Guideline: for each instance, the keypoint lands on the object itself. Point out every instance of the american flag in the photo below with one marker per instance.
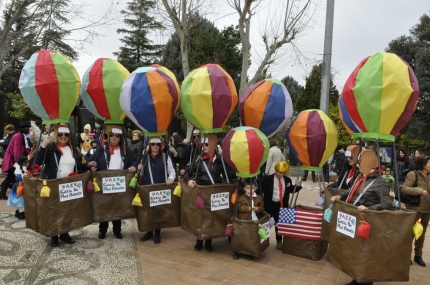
(300, 223)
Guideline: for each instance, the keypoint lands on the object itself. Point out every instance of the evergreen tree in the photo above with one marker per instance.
(138, 49)
(293, 87)
(309, 97)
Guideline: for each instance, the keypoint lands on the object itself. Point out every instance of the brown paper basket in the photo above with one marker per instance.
(325, 229)
(113, 206)
(205, 224)
(245, 239)
(161, 216)
(48, 216)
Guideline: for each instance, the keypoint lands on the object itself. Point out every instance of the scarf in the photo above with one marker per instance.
(358, 183)
(112, 149)
(59, 147)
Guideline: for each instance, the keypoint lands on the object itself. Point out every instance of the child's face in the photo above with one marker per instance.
(250, 190)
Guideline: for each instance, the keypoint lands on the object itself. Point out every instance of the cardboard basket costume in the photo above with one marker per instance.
(60, 212)
(210, 222)
(245, 239)
(160, 208)
(325, 228)
(385, 256)
(113, 201)
(302, 247)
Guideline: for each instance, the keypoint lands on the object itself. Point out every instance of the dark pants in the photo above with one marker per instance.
(10, 178)
(273, 210)
(305, 175)
(326, 172)
(105, 225)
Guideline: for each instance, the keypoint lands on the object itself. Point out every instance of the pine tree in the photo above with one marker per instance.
(138, 49)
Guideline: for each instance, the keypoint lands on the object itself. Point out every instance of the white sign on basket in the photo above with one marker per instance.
(346, 224)
(161, 197)
(71, 191)
(267, 227)
(113, 184)
(220, 201)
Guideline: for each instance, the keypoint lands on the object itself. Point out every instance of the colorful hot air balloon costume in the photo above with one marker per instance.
(267, 106)
(379, 96)
(312, 138)
(245, 149)
(208, 97)
(150, 98)
(101, 88)
(50, 86)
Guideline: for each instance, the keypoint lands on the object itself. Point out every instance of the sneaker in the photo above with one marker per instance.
(21, 216)
(235, 255)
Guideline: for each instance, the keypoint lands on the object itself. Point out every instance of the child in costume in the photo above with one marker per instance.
(14, 200)
(247, 202)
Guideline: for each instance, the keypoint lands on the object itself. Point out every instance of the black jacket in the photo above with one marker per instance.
(50, 168)
(267, 187)
(100, 157)
(6, 141)
(215, 169)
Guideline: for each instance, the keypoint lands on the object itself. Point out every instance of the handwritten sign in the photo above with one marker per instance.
(220, 201)
(71, 191)
(113, 184)
(346, 224)
(157, 198)
(267, 227)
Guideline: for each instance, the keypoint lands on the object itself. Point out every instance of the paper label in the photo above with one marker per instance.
(346, 224)
(220, 201)
(161, 197)
(113, 185)
(71, 191)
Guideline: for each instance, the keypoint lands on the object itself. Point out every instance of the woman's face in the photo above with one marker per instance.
(401, 154)
(114, 139)
(155, 147)
(427, 167)
(417, 153)
(62, 138)
(350, 160)
(135, 137)
(206, 148)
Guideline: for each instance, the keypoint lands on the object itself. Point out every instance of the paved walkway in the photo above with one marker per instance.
(175, 262)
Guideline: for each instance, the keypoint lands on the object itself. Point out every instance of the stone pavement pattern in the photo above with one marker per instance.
(26, 255)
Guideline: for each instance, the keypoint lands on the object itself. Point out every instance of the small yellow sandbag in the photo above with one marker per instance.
(137, 201)
(178, 190)
(45, 191)
(96, 186)
(417, 229)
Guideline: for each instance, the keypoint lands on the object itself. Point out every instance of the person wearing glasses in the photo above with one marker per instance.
(114, 155)
(209, 171)
(59, 159)
(156, 167)
(349, 170)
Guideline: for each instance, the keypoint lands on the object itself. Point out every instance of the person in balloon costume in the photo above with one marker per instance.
(422, 166)
(365, 192)
(60, 160)
(114, 155)
(277, 188)
(156, 167)
(209, 172)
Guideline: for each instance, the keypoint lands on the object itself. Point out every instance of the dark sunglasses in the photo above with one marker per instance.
(349, 158)
(63, 134)
(159, 144)
(195, 137)
(115, 135)
(206, 144)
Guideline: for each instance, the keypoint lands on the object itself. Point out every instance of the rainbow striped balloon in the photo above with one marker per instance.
(101, 88)
(150, 98)
(169, 73)
(312, 138)
(208, 97)
(266, 105)
(50, 86)
(245, 149)
(346, 120)
(381, 95)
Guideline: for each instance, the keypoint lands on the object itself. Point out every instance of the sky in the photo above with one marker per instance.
(361, 28)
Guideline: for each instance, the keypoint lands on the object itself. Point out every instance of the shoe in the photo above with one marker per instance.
(353, 282)
(66, 238)
(208, 245)
(101, 235)
(248, 257)
(147, 236)
(235, 255)
(198, 245)
(118, 235)
(279, 244)
(411, 262)
(157, 238)
(3, 197)
(54, 241)
(21, 216)
(16, 213)
(314, 181)
(420, 261)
